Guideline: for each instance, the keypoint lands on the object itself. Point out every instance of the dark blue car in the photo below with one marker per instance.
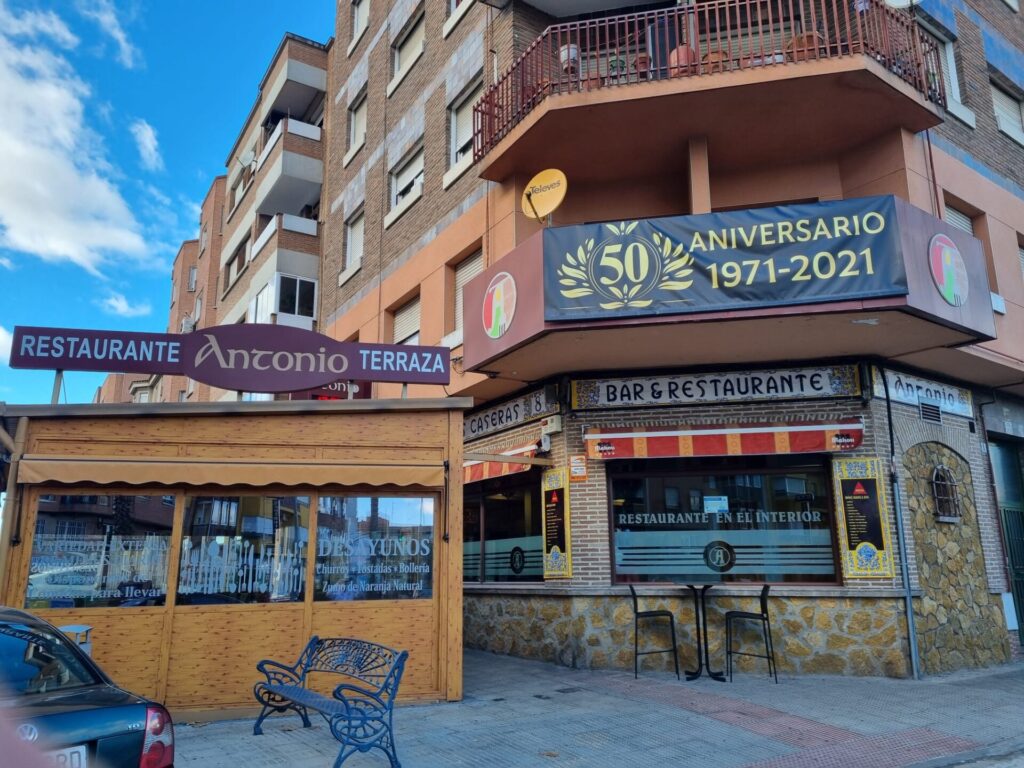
(55, 696)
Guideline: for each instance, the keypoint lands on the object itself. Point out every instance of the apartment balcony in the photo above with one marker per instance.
(290, 169)
(296, 81)
(785, 80)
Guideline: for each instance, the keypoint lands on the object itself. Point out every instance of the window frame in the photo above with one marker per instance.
(1014, 130)
(399, 205)
(359, 103)
(407, 338)
(402, 65)
(951, 74)
(358, 31)
(279, 294)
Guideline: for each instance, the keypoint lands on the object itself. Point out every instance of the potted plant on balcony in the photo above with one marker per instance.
(682, 61)
(569, 56)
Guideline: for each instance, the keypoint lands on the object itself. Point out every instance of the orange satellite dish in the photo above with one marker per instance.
(544, 193)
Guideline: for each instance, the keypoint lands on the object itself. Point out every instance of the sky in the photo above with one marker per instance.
(116, 116)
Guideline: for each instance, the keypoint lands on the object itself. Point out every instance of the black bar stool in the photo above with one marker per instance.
(639, 615)
(766, 631)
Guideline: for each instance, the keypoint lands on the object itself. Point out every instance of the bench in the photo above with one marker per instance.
(359, 709)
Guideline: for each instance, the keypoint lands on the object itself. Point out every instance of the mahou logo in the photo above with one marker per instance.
(499, 305)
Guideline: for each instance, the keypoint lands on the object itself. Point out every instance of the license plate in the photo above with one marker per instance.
(69, 757)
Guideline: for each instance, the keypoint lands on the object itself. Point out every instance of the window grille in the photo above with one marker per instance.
(946, 494)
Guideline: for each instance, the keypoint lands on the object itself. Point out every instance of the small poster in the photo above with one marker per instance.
(578, 468)
(557, 541)
(716, 505)
(863, 518)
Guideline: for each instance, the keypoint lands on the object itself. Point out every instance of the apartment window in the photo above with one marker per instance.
(1020, 254)
(236, 263)
(296, 296)
(407, 323)
(182, 396)
(204, 238)
(360, 17)
(464, 272)
(354, 228)
(946, 54)
(357, 122)
(959, 219)
(197, 312)
(238, 190)
(262, 305)
(408, 47)
(143, 396)
(193, 273)
(407, 179)
(1009, 115)
(461, 121)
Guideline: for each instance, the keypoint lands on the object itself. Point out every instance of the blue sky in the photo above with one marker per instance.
(117, 114)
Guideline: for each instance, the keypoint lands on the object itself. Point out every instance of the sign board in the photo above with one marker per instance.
(578, 468)
(338, 390)
(511, 413)
(544, 193)
(731, 386)
(244, 357)
(557, 539)
(910, 390)
(764, 257)
(862, 515)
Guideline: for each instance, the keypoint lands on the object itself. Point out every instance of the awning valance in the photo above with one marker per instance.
(192, 472)
(475, 471)
(723, 440)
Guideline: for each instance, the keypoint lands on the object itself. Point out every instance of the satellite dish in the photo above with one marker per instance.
(544, 193)
(247, 157)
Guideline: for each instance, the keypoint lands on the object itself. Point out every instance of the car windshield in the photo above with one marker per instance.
(38, 660)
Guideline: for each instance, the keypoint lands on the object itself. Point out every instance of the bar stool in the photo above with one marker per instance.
(639, 616)
(766, 631)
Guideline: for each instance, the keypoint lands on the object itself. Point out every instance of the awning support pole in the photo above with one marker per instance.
(58, 382)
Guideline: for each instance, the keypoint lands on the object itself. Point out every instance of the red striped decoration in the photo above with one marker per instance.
(475, 471)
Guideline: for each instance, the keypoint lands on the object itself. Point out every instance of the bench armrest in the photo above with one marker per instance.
(357, 693)
(276, 672)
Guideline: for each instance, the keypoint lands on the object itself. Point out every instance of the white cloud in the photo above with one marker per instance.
(6, 263)
(57, 201)
(5, 345)
(117, 304)
(105, 15)
(149, 149)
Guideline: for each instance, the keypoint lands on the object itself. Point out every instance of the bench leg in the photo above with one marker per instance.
(304, 715)
(257, 729)
(387, 746)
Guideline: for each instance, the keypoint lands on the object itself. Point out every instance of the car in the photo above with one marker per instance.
(54, 695)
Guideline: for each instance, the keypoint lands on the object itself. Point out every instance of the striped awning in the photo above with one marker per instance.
(475, 471)
(723, 440)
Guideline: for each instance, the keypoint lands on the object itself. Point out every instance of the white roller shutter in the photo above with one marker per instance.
(410, 46)
(959, 219)
(407, 323)
(464, 272)
(1008, 111)
(1020, 252)
(462, 141)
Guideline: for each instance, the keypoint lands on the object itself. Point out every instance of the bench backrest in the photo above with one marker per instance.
(377, 665)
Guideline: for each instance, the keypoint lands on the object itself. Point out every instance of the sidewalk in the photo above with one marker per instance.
(526, 713)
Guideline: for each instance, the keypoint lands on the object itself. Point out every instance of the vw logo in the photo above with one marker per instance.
(719, 556)
(28, 732)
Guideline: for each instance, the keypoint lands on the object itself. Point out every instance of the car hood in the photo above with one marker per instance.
(79, 715)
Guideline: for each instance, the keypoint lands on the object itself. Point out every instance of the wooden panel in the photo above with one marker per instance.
(406, 625)
(214, 651)
(125, 642)
(383, 455)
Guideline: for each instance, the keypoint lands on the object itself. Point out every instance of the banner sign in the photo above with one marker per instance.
(557, 557)
(910, 390)
(862, 518)
(512, 413)
(244, 357)
(731, 386)
(764, 257)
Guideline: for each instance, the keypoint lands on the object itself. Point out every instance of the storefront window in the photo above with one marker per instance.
(99, 551)
(507, 529)
(761, 518)
(374, 548)
(243, 549)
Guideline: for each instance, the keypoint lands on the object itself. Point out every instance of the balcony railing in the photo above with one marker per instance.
(702, 39)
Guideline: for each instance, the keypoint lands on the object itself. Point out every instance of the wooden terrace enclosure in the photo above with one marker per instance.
(196, 540)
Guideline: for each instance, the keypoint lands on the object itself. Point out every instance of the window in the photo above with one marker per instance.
(456, 10)
(296, 296)
(502, 534)
(197, 312)
(464, 272)
(143, 396)
(193, 274)
(243, 549)
(461, 118)
(946, 54)
(354, 228)
(262, 307)
(101, 554)
(407, 323)
(1009, 115)
(407, 180)
(408, 47)
(374, 548)
(357, 123)
(1020, 254)
(360, 18)
(946, 495)
(959, 219)
(204, 238)
(238, 190)
(236, 264)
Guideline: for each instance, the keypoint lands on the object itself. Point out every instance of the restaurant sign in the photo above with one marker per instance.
(730, 386)
(911, 390)
(764, 257)
(244, 357)
(511, 413)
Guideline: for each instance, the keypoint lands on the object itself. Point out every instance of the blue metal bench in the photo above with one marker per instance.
(359, 712)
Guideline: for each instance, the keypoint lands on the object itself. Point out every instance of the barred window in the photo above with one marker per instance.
(946, 493)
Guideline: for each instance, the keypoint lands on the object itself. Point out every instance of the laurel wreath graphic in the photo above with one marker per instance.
(672, 270)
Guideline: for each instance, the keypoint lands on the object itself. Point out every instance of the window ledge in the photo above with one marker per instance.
(961, 113)
(453, 21)
(348, 273)
(1014, 133)
(400, 76)
(453, 339)
(352, 152)
(355, 41)
(455, 172)
(396, 213)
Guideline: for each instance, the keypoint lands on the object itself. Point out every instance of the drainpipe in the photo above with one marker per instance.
(908, 596)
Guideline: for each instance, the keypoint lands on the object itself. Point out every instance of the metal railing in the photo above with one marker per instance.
(701, 39)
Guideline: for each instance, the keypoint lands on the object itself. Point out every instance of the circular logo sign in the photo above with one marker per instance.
(948, 270)
(719, 556)
(517, 560)
(499, 305)
(28, 732)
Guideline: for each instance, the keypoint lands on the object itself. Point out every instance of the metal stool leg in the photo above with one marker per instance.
(636, 647)
(675, 647)
(771, 651)
(728, 647)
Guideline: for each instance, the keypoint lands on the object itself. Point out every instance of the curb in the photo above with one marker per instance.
(1004, 748)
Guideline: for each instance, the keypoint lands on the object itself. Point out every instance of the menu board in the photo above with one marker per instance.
(863, 518)
(557, 558)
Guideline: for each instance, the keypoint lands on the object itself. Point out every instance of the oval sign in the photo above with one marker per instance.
(544, 193)
(499, 305)
(948, 270)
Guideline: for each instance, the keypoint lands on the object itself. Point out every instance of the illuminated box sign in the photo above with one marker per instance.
(244, 357)
(764, 257)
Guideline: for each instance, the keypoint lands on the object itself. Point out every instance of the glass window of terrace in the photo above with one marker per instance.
(243, 549)
(502, 531)
(754, 518)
